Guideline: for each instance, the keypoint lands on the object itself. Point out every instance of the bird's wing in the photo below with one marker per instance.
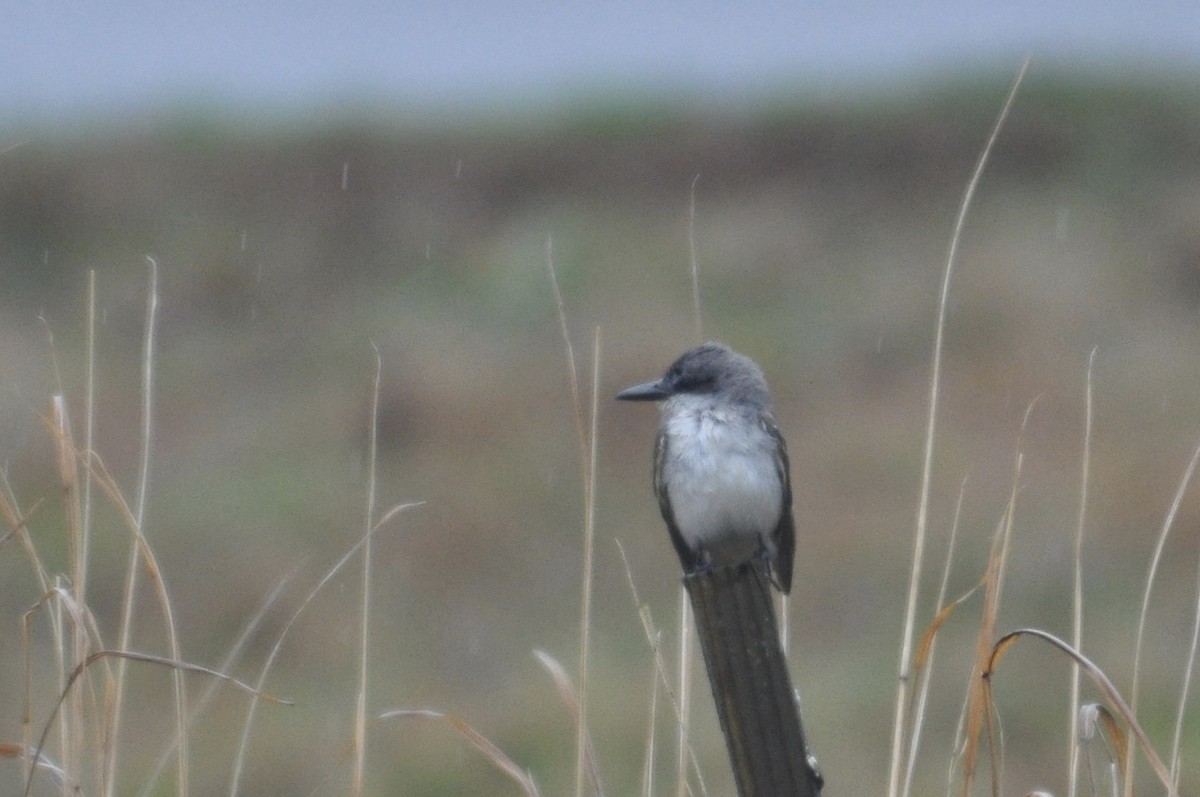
(784, 535)
(687, 557)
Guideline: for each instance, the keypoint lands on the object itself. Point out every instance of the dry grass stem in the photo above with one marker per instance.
(124, 655)
(136, 550)
(685, 694)
(1100, 680)
(900, 724)
(922, 666)
(651, 728)
(572, 371)
(199, 705)
(572, 698)
(587, 455)
(18, 524)
(480, 742)
(1181, 712)
(654, 639)
(360, 714)
(585, 756)
(980, 718)
(146, 557)
(1077, 593)
(1151, 577)
(244, 743)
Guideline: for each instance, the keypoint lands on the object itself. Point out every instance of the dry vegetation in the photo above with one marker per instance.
(285, 252)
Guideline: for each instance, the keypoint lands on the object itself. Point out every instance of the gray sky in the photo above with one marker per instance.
(91, 55)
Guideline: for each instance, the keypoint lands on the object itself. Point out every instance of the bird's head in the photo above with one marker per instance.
(711, 369)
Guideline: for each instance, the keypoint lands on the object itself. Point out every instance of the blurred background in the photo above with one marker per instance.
(314, 180)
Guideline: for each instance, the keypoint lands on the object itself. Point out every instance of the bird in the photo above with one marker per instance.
(721, 470)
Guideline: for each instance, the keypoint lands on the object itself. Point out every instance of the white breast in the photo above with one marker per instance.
(720, 474)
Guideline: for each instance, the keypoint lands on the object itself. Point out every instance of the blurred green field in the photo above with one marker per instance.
(287, 248)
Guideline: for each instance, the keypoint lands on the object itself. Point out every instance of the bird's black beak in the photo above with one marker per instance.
(647, 391)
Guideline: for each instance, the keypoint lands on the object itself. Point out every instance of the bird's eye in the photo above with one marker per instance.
(693, 382)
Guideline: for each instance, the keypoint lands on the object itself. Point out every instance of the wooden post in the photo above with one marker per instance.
(757, 707)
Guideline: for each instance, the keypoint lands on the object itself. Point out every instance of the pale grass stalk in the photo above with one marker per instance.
(694, 262)
(900, 722)
(74, 753)
(140, 549)
(244, 743)
(654, 639)
(651, 729)
(960, 740)
(927, 673)
(18, 521)
(44, 763)
(980, 716)
(177, 673)
(585, 602)
(231, 658)
(136, 549)
(71, 727)
(572, 371)
(1183, 693)
(962, 746)
(587, 457)
(360, 714)
(150, 563)
(100, 656)
(486, 747)
(991, 604)
(571, 696)
(58, 423)
(1105, 686)
(59, 599)
(53, 597)
(1077, 595)
(685, 693)
(18, 526)
(1151, 577)
(84, 513)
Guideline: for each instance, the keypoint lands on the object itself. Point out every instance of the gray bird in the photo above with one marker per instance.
(721, 469)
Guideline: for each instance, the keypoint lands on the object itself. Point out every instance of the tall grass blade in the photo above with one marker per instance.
(651, 730)
(360, 713)
(126, 655)
(572, 697)
(900, 722)
(244, 743)
(585, 756)
(587, 457)
(1077, 594)
(923, 660)
(1101, 681)
(654, 639)
(485, 746)
(1183, 692)
(685, 694)
(1151, 577)
(231, 658)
